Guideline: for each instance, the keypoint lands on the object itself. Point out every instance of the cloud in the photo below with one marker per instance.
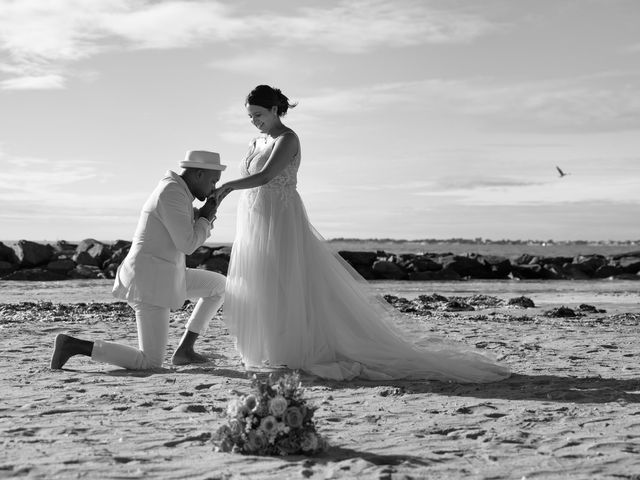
(269, 60)
(467, 184)
(358, 26)
(43, 36)
(565, 104)
(561, 191)
(600, 102)
(173, 24)
(30, 186)
(40, 82)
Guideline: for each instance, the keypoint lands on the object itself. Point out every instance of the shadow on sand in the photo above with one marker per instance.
(548, 388)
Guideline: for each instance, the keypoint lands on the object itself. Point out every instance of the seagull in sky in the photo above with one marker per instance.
(562, 174)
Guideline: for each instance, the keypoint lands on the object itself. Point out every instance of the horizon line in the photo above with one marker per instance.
(477, 240)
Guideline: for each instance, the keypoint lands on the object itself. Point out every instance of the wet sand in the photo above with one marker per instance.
(570, 410)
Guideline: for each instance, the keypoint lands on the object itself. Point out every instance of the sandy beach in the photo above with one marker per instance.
(570, 410)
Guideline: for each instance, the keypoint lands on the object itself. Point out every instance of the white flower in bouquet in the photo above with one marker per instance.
(273, 420)
(251, 402)
(278, 405)
(235, 426)
(235, 407)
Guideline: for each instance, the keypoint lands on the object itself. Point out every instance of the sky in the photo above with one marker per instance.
(417, 118)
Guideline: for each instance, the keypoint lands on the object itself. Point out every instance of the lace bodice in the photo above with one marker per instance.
(259, 152)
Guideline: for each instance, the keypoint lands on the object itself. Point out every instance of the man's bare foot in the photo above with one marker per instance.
(183, 356)
(61, 351)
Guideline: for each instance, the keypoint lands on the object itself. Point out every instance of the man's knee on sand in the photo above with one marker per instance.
(148, 362)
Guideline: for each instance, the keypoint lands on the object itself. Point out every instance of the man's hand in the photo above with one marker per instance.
(222, 192)
(210, 208)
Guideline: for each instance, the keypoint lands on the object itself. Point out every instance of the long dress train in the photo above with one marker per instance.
(290, 301)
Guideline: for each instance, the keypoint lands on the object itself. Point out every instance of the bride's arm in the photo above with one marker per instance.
(283, 151)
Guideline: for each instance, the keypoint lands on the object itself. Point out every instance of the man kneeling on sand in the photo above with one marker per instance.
(153, 278)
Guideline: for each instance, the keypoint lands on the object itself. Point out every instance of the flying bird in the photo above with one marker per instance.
(562, 174)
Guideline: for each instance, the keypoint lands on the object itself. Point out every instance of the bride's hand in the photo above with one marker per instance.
(221, 193)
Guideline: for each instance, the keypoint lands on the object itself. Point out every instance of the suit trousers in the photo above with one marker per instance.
(153, 324)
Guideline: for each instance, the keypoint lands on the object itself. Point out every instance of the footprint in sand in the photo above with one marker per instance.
(612, 447)
(193, 408)
(486, 408)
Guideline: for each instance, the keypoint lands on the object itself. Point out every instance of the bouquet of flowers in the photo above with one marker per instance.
(273, 420)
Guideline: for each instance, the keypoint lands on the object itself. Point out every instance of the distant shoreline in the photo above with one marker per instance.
(463, 241)
(486, 241)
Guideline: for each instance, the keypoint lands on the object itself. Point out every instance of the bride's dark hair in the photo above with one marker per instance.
(267, 97)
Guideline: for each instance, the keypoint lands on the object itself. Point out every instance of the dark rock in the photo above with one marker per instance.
(61, 266)
(527, 272)
(198, 257)
(524, 259)
(534, 261)
(216, 264)
(590, 309)
(484, 301)
(561, 312)
(386, 270)
(62, 247)
(91, 252)
(100, 252)
(35, 275)
(86, 244)
(607, 271)
(557, 261)
(522, 302)
(574, 272)
(433, 298)
(466, 266)
(618, 256)
(224, 251)
(110, 270)
(446, 274)
(421, 264)
(7, 254)
(7, 268)
(423, 276)
(84, 258)
(401, 303)
(117, 257)
(458, 306)
(86, 271)
(32, 254)
(121, 244)
(358, 258)
(629, 264)
(499, 267)
(551, 272)
(364, 271)
(590, 263)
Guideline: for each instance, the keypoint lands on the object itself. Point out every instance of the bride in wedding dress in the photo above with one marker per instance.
(291, 302)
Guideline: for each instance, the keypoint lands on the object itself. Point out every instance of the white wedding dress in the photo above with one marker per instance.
(290, 301)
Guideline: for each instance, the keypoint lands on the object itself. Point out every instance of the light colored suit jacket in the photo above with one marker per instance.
(154, 271)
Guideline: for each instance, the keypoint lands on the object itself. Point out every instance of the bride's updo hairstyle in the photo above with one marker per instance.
(267, 97)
